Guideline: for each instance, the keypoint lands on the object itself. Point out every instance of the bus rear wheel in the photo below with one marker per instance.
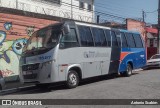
(128, 73)
(72, 79)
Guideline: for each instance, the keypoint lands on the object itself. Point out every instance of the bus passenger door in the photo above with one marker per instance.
(114, 62)
(115, 53)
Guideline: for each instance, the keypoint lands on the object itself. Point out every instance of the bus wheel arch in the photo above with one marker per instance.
(129, 70)
(130, 63)
(73, 77)
(78, 70)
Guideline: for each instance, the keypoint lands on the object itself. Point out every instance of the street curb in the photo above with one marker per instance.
(14, 90)
(136, 70)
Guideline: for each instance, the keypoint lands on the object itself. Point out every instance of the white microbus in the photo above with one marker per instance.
(70, 52)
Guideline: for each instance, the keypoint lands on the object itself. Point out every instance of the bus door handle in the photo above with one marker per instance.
(102, 61)
(90, 62)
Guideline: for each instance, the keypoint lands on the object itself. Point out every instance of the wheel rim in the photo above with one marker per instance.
(129, 70)
(72, 79)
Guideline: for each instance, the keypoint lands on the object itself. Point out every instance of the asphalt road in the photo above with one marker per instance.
(141, 85)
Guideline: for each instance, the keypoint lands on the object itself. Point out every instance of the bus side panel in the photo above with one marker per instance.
(90, 59)
(141, 58)
(134, 55)
(125, 57)
(114, 62)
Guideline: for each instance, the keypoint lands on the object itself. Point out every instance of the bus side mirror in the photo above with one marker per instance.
(66, 29)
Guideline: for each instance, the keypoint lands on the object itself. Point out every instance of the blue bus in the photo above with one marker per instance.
(133, 53)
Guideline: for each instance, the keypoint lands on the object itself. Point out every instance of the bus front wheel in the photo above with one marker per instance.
(128, 72)
(72, 79)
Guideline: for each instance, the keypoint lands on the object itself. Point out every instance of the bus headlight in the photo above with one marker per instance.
(46, 63)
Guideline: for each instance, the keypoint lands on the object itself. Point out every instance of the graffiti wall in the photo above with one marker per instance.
(15, 30)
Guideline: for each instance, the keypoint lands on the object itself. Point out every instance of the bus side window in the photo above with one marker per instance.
(85, 36)
(69, 40)
(108, 36)
(138, 40)
(96, 36)
(130, 40)
(124, 41)
(99, 37)
(103, 38)
(114, 39)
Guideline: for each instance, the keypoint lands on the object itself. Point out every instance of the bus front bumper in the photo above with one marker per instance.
(36, 73)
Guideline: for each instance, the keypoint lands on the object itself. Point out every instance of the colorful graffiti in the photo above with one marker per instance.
(18, 46)
(2, 36)
(15, 30)
(8, 25)
(30, 30)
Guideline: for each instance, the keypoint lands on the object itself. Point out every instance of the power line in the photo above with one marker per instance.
(120, 6)
(100, 13)
(116, 14)
(152, 11)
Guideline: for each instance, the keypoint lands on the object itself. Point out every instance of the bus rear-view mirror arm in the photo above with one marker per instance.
(66, 29)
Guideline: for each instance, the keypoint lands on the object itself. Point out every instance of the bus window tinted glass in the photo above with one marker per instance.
(99, 37)
(108, 36)
(124, 41)
(85, 36)
(138, 40)
(69, 40)
(114, 39)
(102, 37)
(130, 40)
(96, 36)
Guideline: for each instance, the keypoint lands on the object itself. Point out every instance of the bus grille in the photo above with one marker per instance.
(30, 67)
(31, 76)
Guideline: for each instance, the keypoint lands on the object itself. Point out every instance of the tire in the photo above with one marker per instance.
(72, 79)
(127, 73)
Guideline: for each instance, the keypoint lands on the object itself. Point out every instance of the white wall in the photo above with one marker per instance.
(63, 10)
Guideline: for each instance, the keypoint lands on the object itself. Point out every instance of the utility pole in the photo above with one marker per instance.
(158, 38)
(16, 4)
(145, 39)
(143, 15)
(71, 9)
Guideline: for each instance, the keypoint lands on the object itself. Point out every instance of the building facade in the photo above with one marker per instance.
(152, 34)
(82, 10)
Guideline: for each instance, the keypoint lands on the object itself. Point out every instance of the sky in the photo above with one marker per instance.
(130, 8)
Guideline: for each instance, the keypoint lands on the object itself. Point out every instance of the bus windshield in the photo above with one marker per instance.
(43, 39)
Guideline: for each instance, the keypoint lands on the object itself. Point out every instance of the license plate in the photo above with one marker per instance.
(27, 72)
